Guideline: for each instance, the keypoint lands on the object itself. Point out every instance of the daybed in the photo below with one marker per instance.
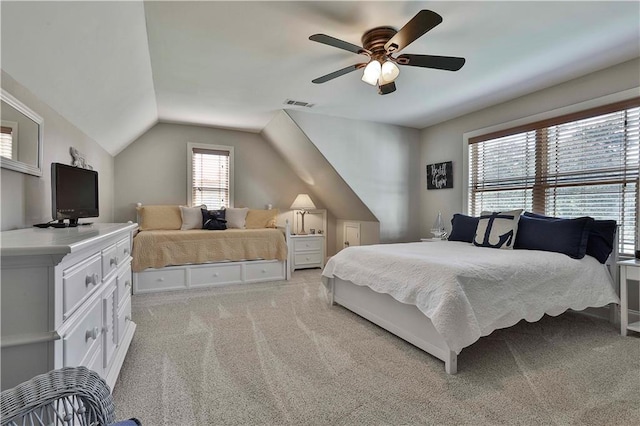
(443, 296)
(167, 255)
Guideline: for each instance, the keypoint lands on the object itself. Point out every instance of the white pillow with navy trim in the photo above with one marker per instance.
(497, 229)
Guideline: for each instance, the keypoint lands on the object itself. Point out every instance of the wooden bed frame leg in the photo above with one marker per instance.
(451, 365)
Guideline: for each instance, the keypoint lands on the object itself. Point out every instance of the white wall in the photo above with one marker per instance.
(378, 161)
(153, 169)
(443, 142)
(26, 199)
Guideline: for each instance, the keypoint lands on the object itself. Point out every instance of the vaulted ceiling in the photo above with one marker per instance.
(114, 69)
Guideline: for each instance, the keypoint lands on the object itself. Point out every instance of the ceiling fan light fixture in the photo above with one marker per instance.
(372, 73)
(389, 72)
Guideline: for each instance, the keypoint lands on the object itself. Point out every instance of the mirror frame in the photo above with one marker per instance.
(8, 163)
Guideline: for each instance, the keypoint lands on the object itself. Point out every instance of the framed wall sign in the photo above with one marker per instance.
(440, 175)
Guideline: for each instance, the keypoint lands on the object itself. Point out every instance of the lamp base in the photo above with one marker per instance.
(302, 233)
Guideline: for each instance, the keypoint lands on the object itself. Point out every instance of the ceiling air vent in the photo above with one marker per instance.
(297, 103)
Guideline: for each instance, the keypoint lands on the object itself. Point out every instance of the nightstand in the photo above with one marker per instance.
(308, 251)
(629, 270)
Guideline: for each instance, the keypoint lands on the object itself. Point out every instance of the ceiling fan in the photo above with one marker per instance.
(381, 43)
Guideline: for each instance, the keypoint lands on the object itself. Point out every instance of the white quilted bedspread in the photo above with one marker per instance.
(469, 291)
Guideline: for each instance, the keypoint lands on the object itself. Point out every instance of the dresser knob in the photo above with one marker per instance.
(215, 275)
(264, 270)
(113, 261)
(127, 318)
(91, 334)
(127, 283)
(126, 251)
(161, 279)
(105, 329)
(91, 279)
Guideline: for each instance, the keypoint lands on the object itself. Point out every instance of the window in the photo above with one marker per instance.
(582, 164)
(9, 139)
(210, 175)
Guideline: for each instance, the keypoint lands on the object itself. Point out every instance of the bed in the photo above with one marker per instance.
(442, 296)
(166, 256)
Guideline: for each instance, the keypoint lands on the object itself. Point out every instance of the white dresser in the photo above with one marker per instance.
(66, 300)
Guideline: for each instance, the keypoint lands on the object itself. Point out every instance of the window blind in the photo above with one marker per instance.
(210, 178)
(6, 142)
(585, 164)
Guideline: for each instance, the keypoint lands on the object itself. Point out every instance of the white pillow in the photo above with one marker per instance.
(191, 217)
(497, 229)
(236, 217)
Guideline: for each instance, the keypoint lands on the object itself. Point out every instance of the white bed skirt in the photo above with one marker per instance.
(184, 277)
(403, 320)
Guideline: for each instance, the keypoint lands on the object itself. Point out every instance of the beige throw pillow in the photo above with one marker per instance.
(261, 219)
(191, 217)
(236, 217)
(159, 218)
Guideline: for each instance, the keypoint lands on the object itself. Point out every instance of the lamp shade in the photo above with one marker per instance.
(302, 202)
(389, 73)
(372, 73)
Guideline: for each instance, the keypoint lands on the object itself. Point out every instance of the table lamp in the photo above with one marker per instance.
(303, 203)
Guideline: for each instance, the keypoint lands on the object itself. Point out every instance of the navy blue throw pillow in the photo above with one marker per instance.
(601, 237)
(567, 236)
(463, 228)
(213, 220)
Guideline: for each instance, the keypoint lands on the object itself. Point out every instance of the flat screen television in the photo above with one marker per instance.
(74, 193)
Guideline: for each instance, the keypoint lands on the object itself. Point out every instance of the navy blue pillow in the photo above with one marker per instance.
(463, 228)
(567, 236)
(601, 237)
(213, 220)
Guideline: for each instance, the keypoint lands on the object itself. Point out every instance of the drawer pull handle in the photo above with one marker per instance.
(91, 279)
(113, 261)
(264, 270)
(126, 251)
(127, 283)
(91, 334)
(161, 279)
(127, 318)
(215, 275)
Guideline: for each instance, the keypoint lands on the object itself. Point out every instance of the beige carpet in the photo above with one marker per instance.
(277, 354)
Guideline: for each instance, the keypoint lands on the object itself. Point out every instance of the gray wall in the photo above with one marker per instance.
(153, 169)
(378, 161)
(444, 142)
(26, 199)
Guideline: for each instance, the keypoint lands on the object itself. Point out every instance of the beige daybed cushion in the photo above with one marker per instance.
(153, 218)
(156, 249)
(261, 219)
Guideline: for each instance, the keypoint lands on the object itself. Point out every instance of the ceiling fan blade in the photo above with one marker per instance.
(413, 30)
(335, 42)
(448, 63)
(338, 73)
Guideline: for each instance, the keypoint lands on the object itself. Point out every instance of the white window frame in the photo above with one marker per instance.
(594, 103)
(190, 147)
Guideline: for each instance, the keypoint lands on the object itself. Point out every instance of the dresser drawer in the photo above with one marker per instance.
(83, 336)
(124, 317)
(218, 274)
(109, 261)
(310, 244)
(124, 281)
(311, 259)
(78, 282)
(261, 270)
(633, 272)
(123, 250)
(162, 279)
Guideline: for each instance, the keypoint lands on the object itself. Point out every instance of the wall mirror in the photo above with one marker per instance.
(20, 136)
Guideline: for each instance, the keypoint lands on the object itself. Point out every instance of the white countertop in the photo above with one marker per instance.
(38, 241)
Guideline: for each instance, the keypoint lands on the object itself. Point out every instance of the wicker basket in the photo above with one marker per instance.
(69, 396)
